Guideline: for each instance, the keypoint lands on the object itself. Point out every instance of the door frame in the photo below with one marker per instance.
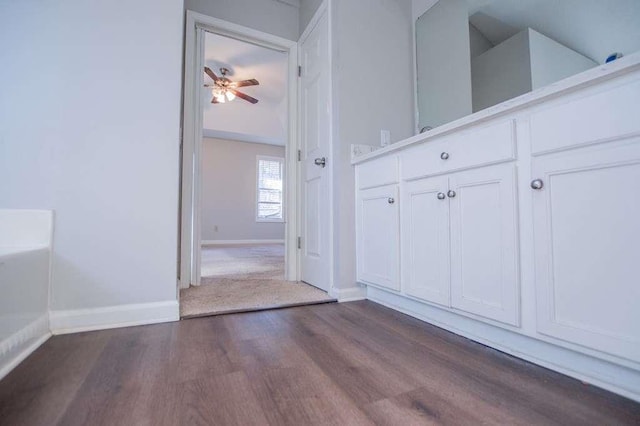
(191, 174)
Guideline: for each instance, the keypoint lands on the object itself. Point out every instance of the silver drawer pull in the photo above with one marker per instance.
(444, 155)
(390, 200)
(451, 193)
(441, 196)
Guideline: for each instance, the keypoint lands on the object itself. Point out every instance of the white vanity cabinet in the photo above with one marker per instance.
(519, 230)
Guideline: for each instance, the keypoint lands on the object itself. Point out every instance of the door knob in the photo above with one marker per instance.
(390, 200)
(441, 195)
(451, 193)
(444, 155)
(320, 162)
(537, 184)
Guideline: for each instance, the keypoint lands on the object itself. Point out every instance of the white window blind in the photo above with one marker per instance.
(270, 200)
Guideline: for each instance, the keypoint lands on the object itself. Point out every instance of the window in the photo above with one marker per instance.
(270, 194)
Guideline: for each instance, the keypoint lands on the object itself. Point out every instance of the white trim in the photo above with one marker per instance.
(350, 294)
(234, 242)
(606, 375)
(75, 321)
(18, 346)
(241, 137)
(196, 23)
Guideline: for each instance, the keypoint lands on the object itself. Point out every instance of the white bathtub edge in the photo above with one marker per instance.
(17, 347)
(79, 320)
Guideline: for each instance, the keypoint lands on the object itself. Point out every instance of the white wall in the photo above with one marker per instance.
(372, 45)
(594, 28)
(478, 42)
(89, 127)
(551, 61)
(444, 60)
(418, 7)
(229, 191)
(307, 9)
(501, 73)
(270, 16)
(527, 61)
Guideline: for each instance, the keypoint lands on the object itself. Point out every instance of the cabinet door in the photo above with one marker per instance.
(484, 256)
(425, 240)
(378, 234)
(587, 247)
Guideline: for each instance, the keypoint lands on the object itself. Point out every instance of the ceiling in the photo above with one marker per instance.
(264, 122)
(594, 28)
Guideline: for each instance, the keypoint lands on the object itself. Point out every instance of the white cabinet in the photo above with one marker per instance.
(520, 231)
(425, 240)
(484, 254)
(459, 242)
(378, 234)
(587, 246)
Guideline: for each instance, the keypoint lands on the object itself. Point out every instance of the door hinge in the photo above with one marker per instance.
(299, 70)
(299, 155)
(299, 242)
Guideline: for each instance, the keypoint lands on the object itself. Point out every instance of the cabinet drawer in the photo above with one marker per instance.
(476, 147)
(424, 160)
(481, 146)
(601, 116)
(378, 172)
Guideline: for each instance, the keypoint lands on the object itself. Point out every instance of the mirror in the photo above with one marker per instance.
(474, 54)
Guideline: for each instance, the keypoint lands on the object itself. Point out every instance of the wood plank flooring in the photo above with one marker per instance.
(341, 364)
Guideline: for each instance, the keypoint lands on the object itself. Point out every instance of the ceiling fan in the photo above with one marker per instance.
(224, 89)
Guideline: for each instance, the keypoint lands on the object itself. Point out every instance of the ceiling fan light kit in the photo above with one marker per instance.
(224, 90)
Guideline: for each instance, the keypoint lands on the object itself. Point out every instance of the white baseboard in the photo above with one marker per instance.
(607, 375)
(232, 242)
(350, 294)
(15, 348)
(75, 321)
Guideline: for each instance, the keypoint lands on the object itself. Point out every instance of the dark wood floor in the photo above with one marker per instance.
(343, 364)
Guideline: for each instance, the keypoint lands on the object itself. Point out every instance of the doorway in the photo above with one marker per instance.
(241, 266)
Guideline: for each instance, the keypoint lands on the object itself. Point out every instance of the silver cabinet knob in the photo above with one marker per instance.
(451, 193)
(390, 200)
(441, 195)
(320, 162)
(444, 155)
(537, 184)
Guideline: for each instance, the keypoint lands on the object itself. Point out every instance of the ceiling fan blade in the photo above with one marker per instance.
(211, 74)
(243, 83)
(243, 96)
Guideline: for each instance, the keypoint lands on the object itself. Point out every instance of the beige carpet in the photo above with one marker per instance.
(237, 278)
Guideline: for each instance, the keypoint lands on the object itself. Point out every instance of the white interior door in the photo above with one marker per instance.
(315, 139)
